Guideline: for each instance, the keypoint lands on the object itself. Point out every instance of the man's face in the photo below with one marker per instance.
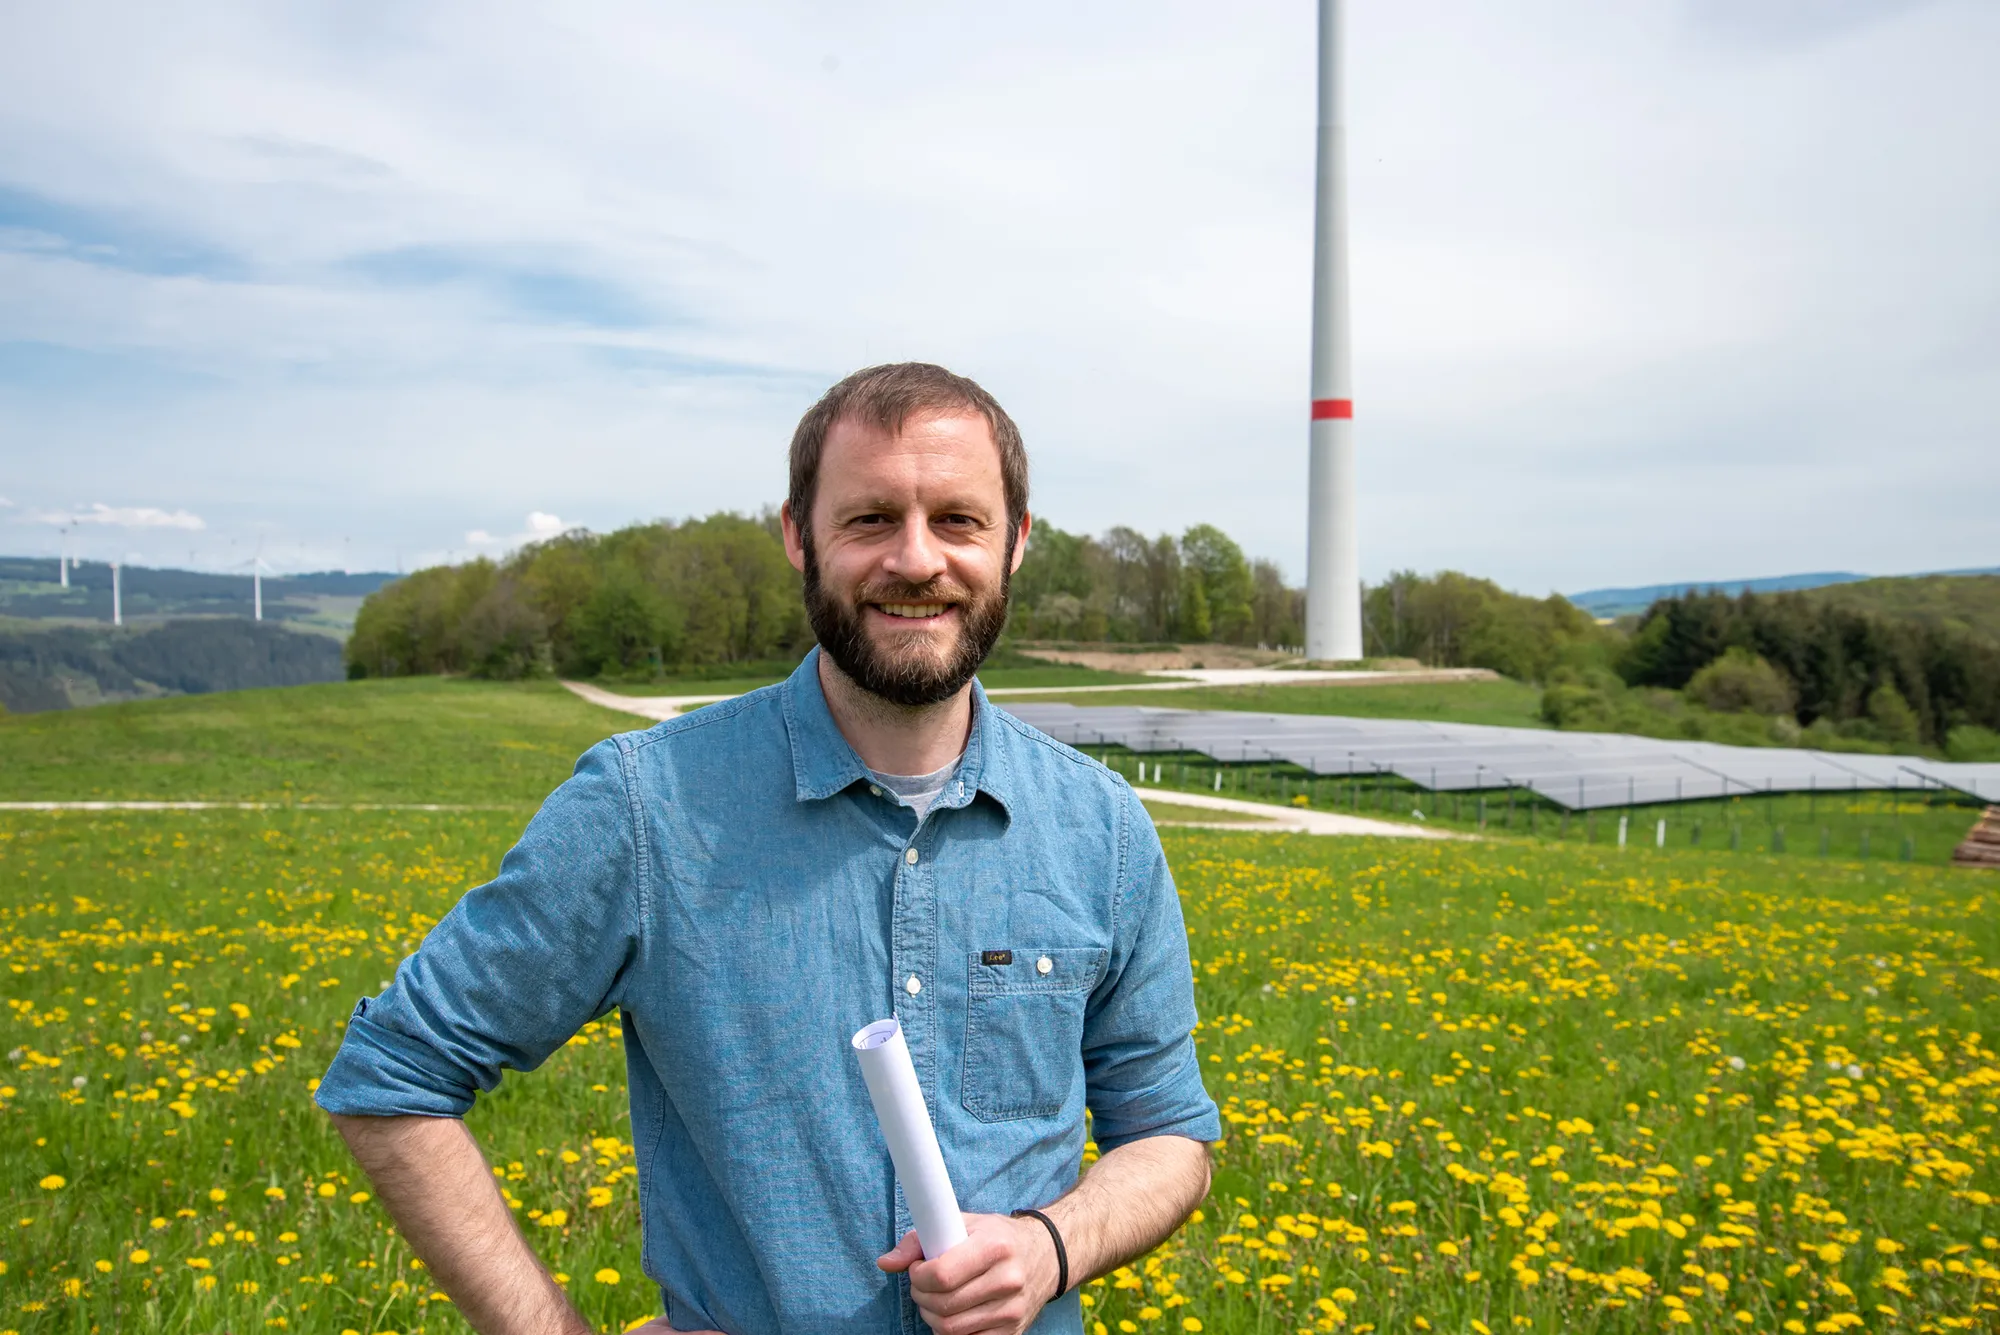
(908, 555)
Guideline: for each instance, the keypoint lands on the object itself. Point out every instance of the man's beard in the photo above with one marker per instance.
(914, 678)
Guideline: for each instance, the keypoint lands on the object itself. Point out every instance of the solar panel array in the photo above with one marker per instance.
(1577, 770)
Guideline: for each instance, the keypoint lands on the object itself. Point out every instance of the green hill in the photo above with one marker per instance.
(1966, 603)
(45, 666)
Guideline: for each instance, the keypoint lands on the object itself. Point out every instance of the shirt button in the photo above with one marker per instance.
(874, 790)
(1044, 964)
(910, 856)
(914, 986)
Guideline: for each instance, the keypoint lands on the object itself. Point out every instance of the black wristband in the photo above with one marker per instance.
(1062, 1253)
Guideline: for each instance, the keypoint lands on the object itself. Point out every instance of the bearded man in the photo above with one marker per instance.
(750, 884)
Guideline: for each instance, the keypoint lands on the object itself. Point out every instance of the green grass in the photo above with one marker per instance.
(1507, 703)
(1528, 1084)
(1178, 811)
(415, 739)
(1514, 1050)
(1055, 674)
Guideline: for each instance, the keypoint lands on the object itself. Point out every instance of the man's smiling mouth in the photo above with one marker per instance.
(913, 611)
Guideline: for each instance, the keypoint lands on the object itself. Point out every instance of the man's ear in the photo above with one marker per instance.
(1021, 543)
(795, 547)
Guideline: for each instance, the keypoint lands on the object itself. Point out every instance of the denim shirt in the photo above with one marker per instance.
(730, 884)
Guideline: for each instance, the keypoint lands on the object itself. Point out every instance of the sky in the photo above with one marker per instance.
(1655, 291)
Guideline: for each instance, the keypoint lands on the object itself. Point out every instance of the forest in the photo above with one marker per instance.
(716, 591)
(707, 596)
(56, 667)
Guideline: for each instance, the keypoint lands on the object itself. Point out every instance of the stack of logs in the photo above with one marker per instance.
(1981, 848)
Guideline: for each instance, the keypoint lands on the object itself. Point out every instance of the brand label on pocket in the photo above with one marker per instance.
(996, 957)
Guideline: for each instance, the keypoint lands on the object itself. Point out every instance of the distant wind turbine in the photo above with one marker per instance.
(257, 566)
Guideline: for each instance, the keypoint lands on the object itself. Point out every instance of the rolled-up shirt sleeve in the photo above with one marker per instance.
(514, 969)
(1140, 1070)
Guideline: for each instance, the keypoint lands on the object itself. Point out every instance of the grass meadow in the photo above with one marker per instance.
(1503, 703)
(1471, 1086)
(408, 739)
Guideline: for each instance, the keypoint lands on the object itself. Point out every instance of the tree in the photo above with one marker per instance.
(626, 623)
(1278, 612)
(1741, 682)
(1223, 577)
(1195, 623)
(1892, 716)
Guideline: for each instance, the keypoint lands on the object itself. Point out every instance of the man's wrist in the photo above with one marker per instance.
(1053, 1249)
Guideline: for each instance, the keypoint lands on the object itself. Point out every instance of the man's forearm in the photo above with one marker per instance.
(1129, 1202)
(436, 1185)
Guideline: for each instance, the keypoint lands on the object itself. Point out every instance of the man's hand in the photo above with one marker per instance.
(997, 1280)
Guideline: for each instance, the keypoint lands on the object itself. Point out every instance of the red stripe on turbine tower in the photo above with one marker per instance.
(1325, 408)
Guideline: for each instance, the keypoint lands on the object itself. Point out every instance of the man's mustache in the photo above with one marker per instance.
(934, 591)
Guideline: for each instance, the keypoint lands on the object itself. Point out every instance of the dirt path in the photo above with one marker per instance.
(655, 707)
(1291, 819)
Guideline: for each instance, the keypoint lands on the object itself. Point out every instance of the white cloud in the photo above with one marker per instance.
(135, 516)
(538, 527)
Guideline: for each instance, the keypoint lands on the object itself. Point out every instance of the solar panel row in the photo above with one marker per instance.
(1577, 770)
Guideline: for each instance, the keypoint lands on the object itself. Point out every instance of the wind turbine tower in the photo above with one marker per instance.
(1333, 546)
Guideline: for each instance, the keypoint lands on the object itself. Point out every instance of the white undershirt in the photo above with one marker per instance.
(917, 791)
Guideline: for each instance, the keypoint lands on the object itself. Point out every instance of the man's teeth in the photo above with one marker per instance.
(918, 610)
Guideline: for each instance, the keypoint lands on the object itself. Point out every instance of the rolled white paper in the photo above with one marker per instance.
(913, 1144)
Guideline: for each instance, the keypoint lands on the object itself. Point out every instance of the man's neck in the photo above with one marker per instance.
(892, 738)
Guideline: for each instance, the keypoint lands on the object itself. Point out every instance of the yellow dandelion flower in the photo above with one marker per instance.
(53, 1182)
(139, 1256)
(328, 1189)
(606, 1276)
(218, 1195)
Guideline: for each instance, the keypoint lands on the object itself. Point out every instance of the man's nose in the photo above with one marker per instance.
(916, 557)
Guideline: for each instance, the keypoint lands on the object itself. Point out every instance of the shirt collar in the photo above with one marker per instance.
(824, 764)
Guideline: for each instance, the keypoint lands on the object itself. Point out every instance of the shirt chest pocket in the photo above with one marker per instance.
(1024, 1028)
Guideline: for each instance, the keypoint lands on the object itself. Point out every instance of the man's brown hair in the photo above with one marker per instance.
(887, 397)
